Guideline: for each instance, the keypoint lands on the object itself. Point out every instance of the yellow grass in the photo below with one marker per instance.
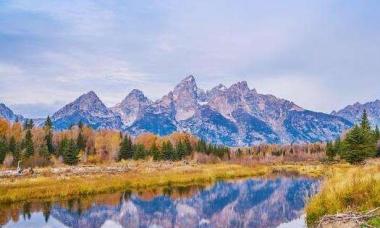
(348, 188)
(62, 186)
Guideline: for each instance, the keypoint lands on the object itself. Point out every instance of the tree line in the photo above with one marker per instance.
(33, 146)
(358, 144)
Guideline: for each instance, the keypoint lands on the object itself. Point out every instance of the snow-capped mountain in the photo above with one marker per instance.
(88, 109)
(234, 116)
(8, 114)
(132, 106)
(354, 112)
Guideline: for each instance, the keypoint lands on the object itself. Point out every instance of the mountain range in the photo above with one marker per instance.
(234, 116)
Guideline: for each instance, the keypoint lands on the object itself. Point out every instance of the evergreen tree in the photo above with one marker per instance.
(358, 146)
(126, 148)
(180, 151)
(81, 141)
(330, 150)
(338, 146)
(14, 149)
(49, 135)
(70, 154)
(377, 133)
(3, 150)
(48, 123)
(365, 124)
(31, 124)
(62, 147)
(25, 125)
(12, 146)
(188, 148)
(139, 152)
(168, 151)
(155, 152)
(28, 144)
(44, 152)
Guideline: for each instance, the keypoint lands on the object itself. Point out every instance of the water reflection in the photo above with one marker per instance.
(245, 203)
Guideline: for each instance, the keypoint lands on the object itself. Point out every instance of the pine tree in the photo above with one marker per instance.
(167, 151)
(377, 133)
(28, 144)
(31, 124)
(155, 152)
(139, 152)
(365, 124)
(62, 147)
(81, 141)
(188, 148)
(3, 150)
(338, 146)
(48, 123)
(126, 150)
(358, 146)
(70, 154)
(12, 145)
(180, 151)
(330, 150)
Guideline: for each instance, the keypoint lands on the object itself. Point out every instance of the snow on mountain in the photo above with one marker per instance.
(132, 106)
(234, 116)
(8, 114)
(354, 112)
(88, 109)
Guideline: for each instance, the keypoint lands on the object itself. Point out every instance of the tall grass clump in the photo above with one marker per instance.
(353, 189)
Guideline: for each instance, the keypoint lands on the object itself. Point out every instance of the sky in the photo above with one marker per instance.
(322, 55)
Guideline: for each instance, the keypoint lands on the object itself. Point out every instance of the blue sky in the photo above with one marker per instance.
(322, 55)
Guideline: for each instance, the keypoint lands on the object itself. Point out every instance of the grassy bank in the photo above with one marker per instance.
(52, 186)
(351, 188)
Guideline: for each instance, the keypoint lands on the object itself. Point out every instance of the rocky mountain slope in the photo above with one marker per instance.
(234, 116)
(88, 109)
(354, 112)
(8, 114)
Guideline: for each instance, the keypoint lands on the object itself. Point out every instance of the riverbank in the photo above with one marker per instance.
(51, 183)
(345, 187)
(350, 190)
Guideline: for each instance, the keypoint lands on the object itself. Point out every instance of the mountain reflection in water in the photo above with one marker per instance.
(245, 203)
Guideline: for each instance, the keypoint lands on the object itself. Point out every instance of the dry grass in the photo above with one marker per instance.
(347, 188)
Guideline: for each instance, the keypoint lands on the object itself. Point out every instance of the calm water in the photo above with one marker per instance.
(277, 202)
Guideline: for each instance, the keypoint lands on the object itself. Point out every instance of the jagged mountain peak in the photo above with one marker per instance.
(132, 106)
(189, 78)
(187, 83)
(136, 92)
(354, 112)
(89, 109)
(241, 86)
(234, 116)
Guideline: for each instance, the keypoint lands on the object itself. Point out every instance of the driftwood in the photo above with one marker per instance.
(359, 218)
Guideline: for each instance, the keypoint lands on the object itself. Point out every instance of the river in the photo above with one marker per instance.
(258, 202)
